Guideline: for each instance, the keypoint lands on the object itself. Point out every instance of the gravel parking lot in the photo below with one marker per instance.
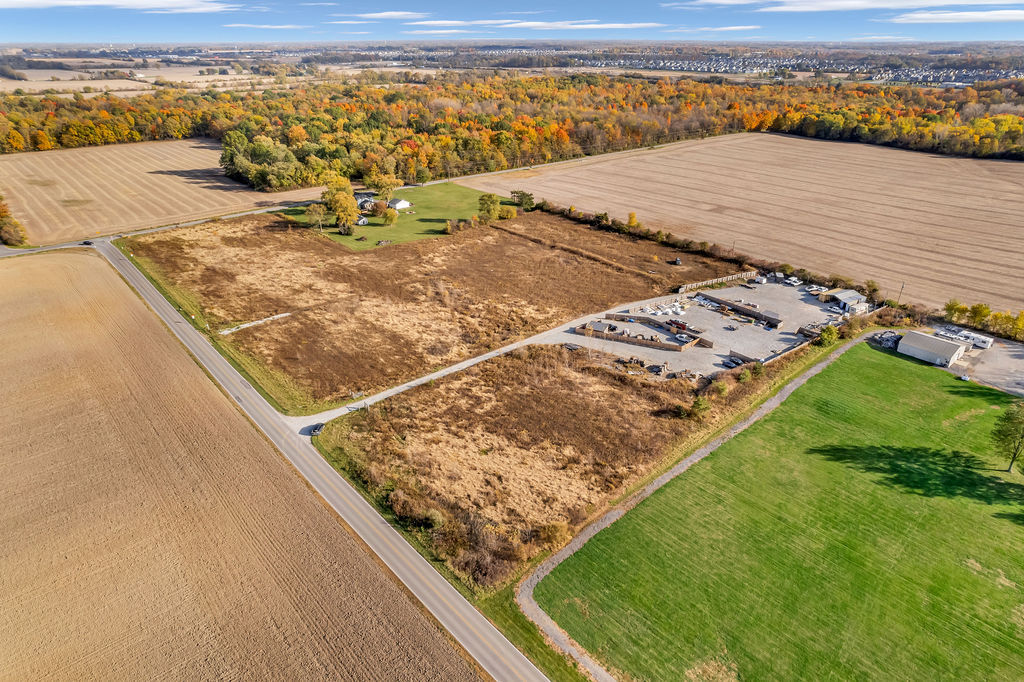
(796, 307)
(1001, 366)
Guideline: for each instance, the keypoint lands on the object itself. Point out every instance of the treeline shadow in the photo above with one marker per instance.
(931, 472)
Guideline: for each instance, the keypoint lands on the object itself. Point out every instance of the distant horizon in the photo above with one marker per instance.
(164, 22)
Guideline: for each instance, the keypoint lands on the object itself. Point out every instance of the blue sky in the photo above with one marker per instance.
(227, 21)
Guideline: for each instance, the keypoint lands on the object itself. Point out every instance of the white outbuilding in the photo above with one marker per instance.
(398, 204)
(941, 352)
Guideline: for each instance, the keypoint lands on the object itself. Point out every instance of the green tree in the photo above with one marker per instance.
(953, 309)
(829, 335)
(489, 205)
(390, 216)
(1008, 433)
(523, 199)
(315, 214)
(700, 407)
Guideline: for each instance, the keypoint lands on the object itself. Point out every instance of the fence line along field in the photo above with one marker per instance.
(948, 227)
(148, 530)
(68, 194)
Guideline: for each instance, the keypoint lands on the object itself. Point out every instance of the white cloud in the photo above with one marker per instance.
(392, 14)
(993, 15)
(846, 5)
(161, 6)
(275, 27)
(828, 5)
(349, 22)
(461, 22)
(881, 39)
(578, 25)
(729, 28)
(436, 32)
(715, 29)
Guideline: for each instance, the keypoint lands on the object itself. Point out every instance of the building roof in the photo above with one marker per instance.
(849, 296)
(929, 344)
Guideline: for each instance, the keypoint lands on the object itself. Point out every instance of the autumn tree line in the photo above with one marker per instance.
(981, 317)
(11, 231)
(465, 123)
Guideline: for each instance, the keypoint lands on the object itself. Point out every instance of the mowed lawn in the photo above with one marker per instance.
(432, 207)
(863, 530)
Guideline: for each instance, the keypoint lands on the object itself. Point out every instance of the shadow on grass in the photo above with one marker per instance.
(971, 390)
(930, 472)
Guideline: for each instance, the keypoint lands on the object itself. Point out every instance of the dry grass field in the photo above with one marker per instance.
(494, 462)
(147, 530)
(70, 194)
(362, 321)
(947, 227)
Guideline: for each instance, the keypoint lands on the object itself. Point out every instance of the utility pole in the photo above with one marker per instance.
(902, 284)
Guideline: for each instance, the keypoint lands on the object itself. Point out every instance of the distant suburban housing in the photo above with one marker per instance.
(398, 203)
(362, 220)
(942, 352)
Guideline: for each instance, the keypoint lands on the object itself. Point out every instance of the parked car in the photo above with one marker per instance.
(316, 430)
(835, 309)
(87, 243)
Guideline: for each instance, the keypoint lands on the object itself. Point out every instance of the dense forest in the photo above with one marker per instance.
(464, 123)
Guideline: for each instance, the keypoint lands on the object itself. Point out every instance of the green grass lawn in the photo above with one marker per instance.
(432, 207)
(863, 530)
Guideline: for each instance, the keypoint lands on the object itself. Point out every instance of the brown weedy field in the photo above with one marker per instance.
(70, 194)
(362, 321)
(948, 227)
(492, 464)
(148, 530)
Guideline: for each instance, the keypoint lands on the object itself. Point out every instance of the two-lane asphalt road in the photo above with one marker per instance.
(495, 654)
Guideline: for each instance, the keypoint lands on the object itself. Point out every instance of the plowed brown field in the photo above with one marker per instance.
(947, 227)
(148, 531)
(70, 194)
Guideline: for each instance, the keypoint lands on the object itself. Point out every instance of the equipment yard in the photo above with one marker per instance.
(358, 322)
(70, 194)
(731, 334)
(948, 227)
(149, 530)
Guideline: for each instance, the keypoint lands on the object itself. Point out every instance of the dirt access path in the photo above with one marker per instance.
(148, 529)
(524, 593)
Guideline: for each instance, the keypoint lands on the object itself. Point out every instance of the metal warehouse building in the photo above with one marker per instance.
(931, 349)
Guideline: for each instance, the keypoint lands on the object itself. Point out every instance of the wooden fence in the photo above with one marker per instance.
(708, 282)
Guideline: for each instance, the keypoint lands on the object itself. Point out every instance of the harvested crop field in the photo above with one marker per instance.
(148, 530)
(358, 322)
(492, 464)
(948, 227)
(70, 194)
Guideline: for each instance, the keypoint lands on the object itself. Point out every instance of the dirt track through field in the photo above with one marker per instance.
(70, 194)
(948, 227)
(147, 530)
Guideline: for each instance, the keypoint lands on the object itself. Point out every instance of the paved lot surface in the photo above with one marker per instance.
(1001, 366)
(797, 308)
